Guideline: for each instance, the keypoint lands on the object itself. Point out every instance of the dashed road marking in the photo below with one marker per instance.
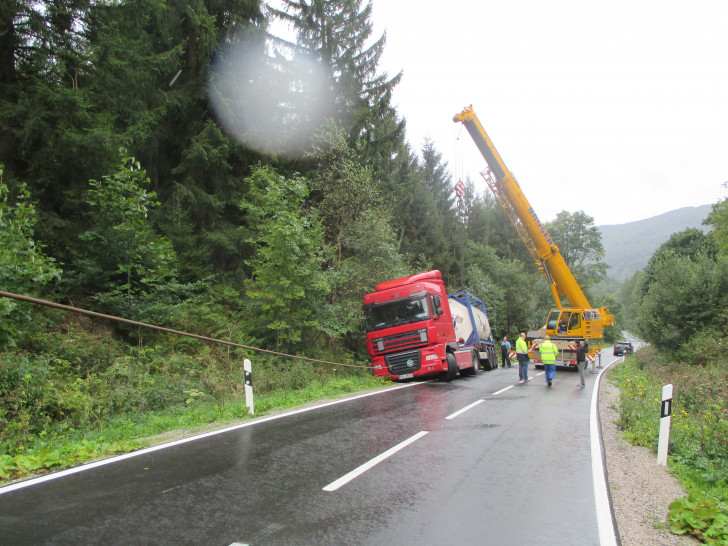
(466, 408)
(333, 486)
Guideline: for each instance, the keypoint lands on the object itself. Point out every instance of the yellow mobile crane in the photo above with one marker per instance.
(565, 325)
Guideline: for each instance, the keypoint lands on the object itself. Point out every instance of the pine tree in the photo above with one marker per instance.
(151, 62)
(444, 236)
(51, 135)
(44, 120)
(336, 33)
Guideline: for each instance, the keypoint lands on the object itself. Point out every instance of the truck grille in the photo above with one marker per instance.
(397, 342)
(399, 363)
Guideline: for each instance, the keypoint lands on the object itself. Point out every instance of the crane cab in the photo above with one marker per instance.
(575, 323)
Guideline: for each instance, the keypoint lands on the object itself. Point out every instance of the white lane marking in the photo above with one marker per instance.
(511, 386)
(333, 486)
(111, 460)
(466, 408)
(502, 390)
(605, 524)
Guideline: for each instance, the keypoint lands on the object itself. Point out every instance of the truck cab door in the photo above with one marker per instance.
(444, 329)
(564, 319)
(575, 324)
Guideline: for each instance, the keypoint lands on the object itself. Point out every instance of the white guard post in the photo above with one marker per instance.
(664, 440)
(248, 386)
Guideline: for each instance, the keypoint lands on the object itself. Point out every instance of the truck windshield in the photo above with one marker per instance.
(396, 313)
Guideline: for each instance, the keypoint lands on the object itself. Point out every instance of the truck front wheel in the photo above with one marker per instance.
(452, 369)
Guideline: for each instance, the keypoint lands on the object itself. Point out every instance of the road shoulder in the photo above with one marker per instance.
(641, 490)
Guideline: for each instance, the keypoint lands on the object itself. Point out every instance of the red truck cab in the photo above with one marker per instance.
(410, 330)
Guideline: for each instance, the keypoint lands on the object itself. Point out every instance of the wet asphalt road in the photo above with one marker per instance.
(514, 468)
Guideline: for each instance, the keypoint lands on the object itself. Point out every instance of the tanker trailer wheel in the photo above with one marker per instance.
(452, 369)
(476, 362)
(488, 362)
(492, 359)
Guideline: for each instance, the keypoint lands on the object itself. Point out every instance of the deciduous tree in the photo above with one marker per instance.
(123, 256)
(718, 218)
(580, 243)
(288, 281)
(24, 267)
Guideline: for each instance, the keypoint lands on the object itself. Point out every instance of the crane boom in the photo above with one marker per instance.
(537, 239)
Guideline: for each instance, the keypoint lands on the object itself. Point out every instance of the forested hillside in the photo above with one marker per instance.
(170, 153)
(628, 247)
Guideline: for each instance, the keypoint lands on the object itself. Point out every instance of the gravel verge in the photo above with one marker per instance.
(641, 490)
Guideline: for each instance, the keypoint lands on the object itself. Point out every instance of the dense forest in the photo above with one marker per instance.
(174, 163)
(166, 152)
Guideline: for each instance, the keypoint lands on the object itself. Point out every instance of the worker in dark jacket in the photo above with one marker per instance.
(581, 362)
(505, 352)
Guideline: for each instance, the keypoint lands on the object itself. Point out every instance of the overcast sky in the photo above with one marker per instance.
(618, 109)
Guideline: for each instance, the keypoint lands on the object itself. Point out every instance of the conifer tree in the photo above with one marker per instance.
(151, 62)
(444, 235)
(336, 32)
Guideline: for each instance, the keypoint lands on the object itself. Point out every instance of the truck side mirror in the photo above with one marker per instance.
(438, 307)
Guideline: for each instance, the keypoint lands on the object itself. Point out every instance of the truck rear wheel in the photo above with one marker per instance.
(476, 364)
(452, 369)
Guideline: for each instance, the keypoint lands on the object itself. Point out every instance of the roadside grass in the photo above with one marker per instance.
(698, 452)
(65, 446)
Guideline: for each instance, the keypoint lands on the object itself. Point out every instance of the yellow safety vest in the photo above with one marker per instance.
(548, 352)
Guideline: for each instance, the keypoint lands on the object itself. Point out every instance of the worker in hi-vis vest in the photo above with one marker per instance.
(522, 356)
(548, 357)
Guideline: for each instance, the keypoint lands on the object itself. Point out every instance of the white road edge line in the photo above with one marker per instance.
(333, 486)
(605, 523)
(88, 466)
(466, 408)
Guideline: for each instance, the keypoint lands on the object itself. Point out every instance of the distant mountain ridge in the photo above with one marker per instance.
(628, 247)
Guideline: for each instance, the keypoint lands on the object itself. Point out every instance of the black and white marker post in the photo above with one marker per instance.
(248, 386)
(665, 413)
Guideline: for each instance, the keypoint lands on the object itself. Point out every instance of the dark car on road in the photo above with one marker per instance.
(623, 348)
